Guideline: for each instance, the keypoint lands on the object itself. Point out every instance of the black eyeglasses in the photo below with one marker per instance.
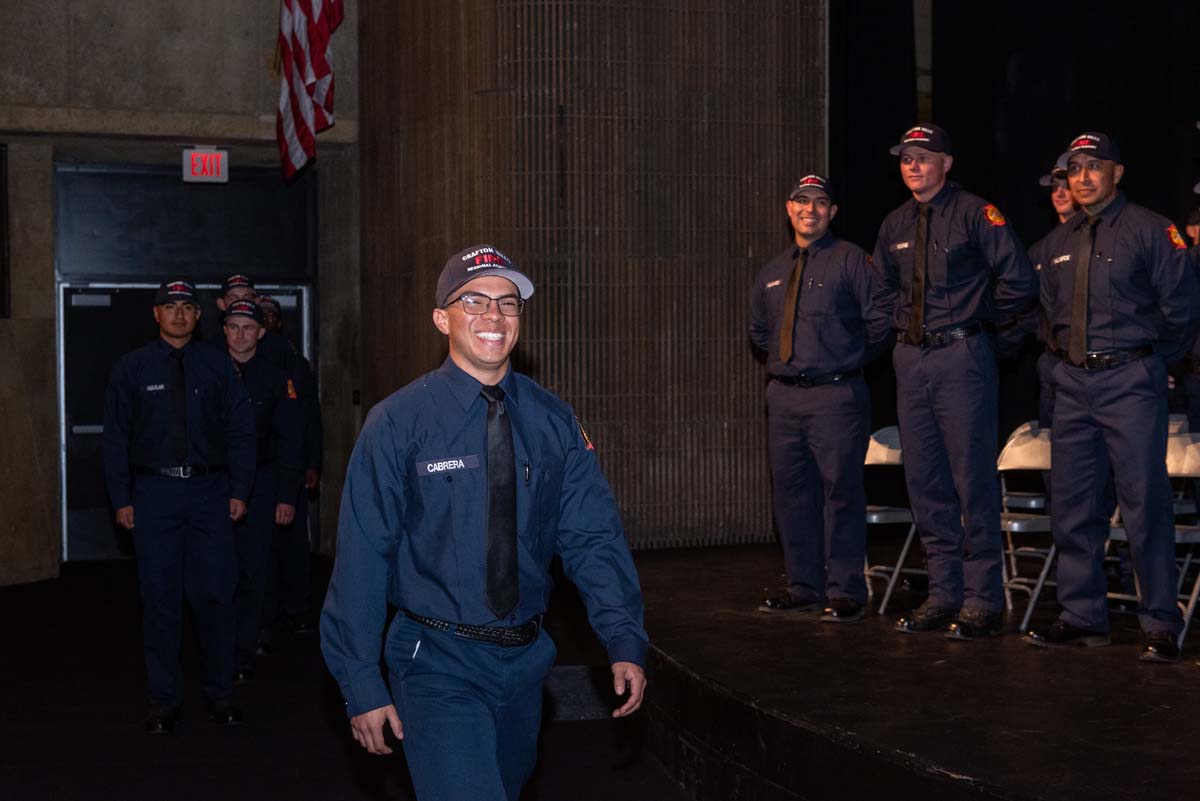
(476, 303)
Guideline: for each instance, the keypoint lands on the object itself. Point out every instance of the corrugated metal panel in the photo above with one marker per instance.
(633, 157)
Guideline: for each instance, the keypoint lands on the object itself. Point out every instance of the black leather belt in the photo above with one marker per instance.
(1107, 359)
(940, 339)
(180, 471)
(507, 636)
(806, 380)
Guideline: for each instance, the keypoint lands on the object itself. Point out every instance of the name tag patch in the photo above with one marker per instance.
(155, 387)
(432, 467)
(900, 246)
(771, 284)
(1061, 259)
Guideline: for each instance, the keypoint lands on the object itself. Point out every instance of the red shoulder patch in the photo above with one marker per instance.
(1176, 238)
(993, 215)
(586, 440)
(292, 390)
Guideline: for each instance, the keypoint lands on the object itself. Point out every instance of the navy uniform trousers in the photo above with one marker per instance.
(288, 570)
(946, 400)
(460, 699)
(1113, 420)
(817, 442)
(253, 534)
(184, 542)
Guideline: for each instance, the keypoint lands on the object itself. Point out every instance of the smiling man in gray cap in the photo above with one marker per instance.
(462, 487)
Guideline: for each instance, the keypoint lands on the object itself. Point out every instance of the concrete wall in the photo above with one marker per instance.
(115, 81)
(29, 530)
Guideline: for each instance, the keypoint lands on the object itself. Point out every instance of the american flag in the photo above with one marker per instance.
(306, 77)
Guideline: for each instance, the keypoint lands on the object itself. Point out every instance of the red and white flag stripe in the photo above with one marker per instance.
(306, 77)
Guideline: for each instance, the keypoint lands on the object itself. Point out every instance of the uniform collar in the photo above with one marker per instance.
(1108, 216)
(823, 242)
(938, 202)
(165, 347)
(465, 388)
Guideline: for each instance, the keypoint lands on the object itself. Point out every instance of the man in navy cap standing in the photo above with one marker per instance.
(179, 458)
(462, 487)
(1039, 255)
(1121, 297)
(813, 315)
(950, 267)
(277, 476)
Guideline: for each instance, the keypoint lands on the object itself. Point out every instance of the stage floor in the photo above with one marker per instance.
(860, 708)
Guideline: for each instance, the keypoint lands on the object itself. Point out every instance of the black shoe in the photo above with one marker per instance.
(842, 610)
(976, 624)
(1160, 647)
(790, 604)
(243, 676)
(161, 719)
(223, 713)
(1062, 635)
(928, 617)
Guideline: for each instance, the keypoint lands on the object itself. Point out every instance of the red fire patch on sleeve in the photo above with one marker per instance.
(586, 440)
(993, 215)
(1176, 238)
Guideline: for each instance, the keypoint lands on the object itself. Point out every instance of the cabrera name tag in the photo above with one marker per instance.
(431, 467)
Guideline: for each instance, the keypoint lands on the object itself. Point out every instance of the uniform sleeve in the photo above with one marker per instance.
(289, 443)
(879, 324)
(118, 424)
(369, 523)
(1174, 281)
(240, 439)
(760, 327)
(1012, 331)
(886, 289)
(595, 556)
(1014, 287)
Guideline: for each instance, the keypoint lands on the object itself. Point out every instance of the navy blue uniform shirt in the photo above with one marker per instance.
(1033, 321)
(976, 268)
(412, 528)
(282, 352)
(837, 320)
(138, 414)
(277, 423)
(1141, 287)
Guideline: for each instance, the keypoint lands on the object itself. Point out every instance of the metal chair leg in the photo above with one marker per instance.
(887, 596)
(1037, 588)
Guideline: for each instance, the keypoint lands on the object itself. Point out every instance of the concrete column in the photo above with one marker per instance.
(30, 530)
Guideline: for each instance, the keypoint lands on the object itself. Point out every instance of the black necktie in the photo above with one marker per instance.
(500, 588)
(789, 307)
(1082, 260)
(916, 312)
(179, 437)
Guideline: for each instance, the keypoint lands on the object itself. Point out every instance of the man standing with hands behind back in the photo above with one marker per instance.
(1121, 297)
(812, 313)
(462, 487)
(949, 268)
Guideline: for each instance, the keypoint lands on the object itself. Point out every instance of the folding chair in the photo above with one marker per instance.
(1028, 448)
(884, 449)
(1183, 461)
(1021, 500)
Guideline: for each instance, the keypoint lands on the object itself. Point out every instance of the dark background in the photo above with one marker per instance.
(1013, 83)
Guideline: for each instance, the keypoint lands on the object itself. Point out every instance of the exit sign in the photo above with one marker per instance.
(205, 165)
